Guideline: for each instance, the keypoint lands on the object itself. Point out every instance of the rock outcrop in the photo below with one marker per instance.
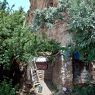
(58, 32)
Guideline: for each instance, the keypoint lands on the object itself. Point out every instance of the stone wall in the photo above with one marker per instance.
(49, 72)
(56, 72)
(62, 73)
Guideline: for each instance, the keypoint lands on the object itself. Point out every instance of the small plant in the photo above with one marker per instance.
(84, 90)
(6, 89)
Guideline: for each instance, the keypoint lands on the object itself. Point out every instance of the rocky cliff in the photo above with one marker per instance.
(58, 32)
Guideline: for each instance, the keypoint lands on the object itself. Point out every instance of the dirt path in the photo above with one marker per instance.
(46, 90)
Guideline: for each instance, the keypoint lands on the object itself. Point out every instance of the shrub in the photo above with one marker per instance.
(6, 89)
(84, 90)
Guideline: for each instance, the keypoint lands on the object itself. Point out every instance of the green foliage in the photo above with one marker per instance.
(6, 89)
(82, 24)
(85, 90)
(10, 25)
(17, 40)
(47, 16)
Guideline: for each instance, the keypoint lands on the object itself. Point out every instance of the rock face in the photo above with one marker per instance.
(59, 33)
(62, 73)
(39, 4)
(34, 4)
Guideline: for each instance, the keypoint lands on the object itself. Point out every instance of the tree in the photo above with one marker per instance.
(10, 23)
(18, 41)
(82, 25)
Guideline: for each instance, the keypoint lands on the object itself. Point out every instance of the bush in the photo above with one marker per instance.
(84, 90)
(6, 89)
